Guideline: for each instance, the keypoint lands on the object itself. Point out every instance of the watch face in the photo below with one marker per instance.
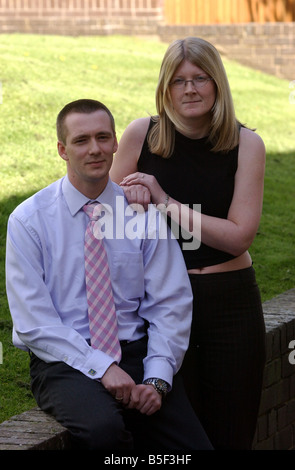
(162, 385)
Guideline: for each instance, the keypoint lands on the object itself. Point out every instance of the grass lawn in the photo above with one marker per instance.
(40, 74)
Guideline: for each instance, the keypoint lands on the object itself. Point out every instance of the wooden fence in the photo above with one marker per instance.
(181, 12)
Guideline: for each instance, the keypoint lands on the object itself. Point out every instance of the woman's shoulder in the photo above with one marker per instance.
(138, 128)
(251, 146)
(250, 137)
(133, 137)
(129, 149)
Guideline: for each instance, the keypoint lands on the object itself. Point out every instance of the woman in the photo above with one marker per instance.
(195, 152)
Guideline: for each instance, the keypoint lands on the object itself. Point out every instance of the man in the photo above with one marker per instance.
(135, 399)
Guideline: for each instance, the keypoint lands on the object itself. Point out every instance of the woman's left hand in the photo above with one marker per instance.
(150, 182)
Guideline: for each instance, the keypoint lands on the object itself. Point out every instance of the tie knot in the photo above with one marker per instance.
(93, 210)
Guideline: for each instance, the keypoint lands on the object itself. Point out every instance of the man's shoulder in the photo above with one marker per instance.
(41, 200)
(120, 201)
(118, 191)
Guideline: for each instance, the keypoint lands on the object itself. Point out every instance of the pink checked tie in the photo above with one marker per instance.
(101, 307)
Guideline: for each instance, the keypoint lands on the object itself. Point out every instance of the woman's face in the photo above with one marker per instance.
(192, 102)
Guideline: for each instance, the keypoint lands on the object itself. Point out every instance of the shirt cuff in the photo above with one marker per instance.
(158, 368)
(96, 365)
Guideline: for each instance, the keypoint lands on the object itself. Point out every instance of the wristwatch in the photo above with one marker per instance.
(159, 384)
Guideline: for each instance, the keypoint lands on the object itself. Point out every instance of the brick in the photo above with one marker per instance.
(291, 411)
(272, 422)
(272, 372)
(268, 398)
(283, 392)
(283, 440)
(291, 324)
(274, 396)
(292, 385)
(262, 428)
(282, 417)
(33, 429)
(267, 444)
(288, 369)
(273, 340)
(286, 414)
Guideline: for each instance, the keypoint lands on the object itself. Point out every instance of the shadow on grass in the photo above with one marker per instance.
(6, 207)
(14, 372)
(273, 248)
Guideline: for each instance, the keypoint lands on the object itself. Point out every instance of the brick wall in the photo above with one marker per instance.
(80, 17)
(268, 47)
(276, 422)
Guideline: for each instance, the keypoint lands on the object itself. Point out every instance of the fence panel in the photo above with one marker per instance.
(228, 11)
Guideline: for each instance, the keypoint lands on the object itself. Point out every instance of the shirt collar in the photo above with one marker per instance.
(76, 200)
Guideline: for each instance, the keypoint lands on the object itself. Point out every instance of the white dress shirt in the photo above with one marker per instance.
(45, 280)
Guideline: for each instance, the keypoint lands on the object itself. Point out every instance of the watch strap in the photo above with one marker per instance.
(160, 385)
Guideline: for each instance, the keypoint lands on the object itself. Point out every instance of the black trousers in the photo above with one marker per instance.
(223, 368)
(97, 421)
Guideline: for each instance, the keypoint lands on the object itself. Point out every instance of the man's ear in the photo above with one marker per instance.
(61, 148)
(116, 145)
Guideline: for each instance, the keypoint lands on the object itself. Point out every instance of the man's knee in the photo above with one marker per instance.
(103, 434)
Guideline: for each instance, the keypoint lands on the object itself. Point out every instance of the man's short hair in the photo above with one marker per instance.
(85, 106)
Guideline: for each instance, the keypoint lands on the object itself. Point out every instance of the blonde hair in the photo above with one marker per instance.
(224, 129)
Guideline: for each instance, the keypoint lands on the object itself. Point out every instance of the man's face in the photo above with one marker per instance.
(88, 150)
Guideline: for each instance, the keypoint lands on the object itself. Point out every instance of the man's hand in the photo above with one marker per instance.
(145, 399)
(138, 197)
(149, 182)
(118, 383)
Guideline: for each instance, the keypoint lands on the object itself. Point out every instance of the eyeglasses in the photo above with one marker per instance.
(197, 82)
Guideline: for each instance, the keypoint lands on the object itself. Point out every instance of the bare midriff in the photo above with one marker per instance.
(240, 262)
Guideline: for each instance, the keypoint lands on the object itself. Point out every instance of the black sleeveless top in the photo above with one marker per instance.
(195, 175)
